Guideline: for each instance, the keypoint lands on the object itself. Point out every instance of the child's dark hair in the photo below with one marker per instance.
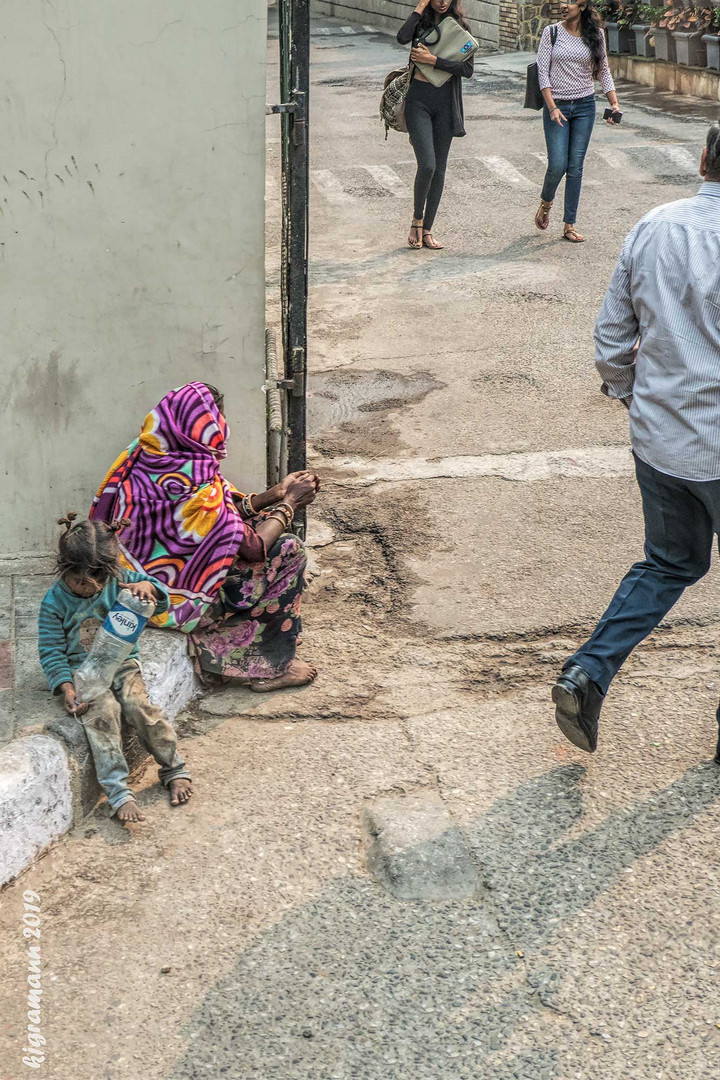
(89, 549)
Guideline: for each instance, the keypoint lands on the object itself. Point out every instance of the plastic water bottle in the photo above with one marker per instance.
(113, 643)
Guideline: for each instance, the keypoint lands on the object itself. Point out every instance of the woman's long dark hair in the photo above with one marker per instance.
(427, 19)
(592, 34)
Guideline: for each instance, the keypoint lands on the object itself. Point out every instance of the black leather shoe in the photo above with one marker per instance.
(578, 702)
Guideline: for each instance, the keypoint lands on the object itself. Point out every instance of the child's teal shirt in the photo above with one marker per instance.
(62, 614)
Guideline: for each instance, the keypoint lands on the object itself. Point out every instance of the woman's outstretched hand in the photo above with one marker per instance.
(284, 485)
(300, 488)
(420, 54)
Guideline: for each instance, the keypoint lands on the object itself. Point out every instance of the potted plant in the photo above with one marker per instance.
(620, 36)
(688, 35)
(644, 15)
(712, 40)
(663, 39)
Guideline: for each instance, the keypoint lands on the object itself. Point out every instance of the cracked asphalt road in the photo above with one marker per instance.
(244, 937)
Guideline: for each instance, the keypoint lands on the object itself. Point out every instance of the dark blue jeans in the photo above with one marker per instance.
(681, 517)
(566, 149)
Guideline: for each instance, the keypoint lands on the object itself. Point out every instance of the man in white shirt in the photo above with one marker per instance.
(665, 292)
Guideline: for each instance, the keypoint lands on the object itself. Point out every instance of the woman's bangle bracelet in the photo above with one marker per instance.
(285, 508)
(246, 506)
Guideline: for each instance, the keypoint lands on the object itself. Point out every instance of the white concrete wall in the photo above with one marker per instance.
(131, 236)
(483, 15)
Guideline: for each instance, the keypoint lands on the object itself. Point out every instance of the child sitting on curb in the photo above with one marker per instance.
(90, 579)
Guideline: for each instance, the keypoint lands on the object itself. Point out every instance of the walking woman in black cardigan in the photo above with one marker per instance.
(434, 114)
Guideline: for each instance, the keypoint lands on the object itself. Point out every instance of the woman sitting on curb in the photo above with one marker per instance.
(232, 569)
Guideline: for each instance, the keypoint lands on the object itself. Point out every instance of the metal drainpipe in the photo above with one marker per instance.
(276, 426)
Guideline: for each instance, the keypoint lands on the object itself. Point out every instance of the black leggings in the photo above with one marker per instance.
(429, 116)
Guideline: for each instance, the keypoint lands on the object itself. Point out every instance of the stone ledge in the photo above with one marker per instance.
(663, 75)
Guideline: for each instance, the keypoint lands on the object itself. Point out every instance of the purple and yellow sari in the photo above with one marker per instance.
(239, 604)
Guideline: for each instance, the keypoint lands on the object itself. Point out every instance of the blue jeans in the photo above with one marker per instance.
(566, 149)
(127, 700)
(681, 517)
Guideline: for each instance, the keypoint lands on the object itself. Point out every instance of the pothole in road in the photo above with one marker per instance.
(506, 382)
(341, 401)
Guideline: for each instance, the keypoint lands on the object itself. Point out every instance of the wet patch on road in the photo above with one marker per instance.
(349, 403)
(358, 82)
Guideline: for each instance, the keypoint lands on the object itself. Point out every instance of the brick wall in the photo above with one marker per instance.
(509, 25)
(483, 16)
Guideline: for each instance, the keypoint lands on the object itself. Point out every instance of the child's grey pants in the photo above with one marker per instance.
(127, 699)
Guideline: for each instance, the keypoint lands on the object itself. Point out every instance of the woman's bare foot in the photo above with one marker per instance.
(429, 241)
(180, 791)
(299, 673)
(130, 811)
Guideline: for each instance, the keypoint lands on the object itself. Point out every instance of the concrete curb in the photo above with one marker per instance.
(47, 781)
(35, 800)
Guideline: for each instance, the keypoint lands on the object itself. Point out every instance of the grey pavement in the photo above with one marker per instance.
(404, 872)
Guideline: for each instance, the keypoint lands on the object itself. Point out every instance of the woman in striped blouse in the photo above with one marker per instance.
(572, 55)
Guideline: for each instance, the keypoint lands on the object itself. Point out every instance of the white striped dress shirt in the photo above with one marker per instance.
(666, 292)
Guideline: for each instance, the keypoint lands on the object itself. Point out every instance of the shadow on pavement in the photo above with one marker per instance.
(355, 984)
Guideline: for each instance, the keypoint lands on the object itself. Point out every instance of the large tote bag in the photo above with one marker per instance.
(533, 93)
(448, 40)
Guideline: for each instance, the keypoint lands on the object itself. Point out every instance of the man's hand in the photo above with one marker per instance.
(72, 706)
(144, 590)
(422, 55)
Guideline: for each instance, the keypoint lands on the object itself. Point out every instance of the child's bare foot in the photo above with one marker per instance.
(130, 811)
(180, 791)
(299, 673)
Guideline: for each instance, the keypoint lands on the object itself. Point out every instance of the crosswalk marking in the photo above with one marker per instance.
(505, 171)
(328, 184)
(680, 156)
(619, 161)
(348, 29)
(370, 29)
(387, 178)
(622, 158)
(321, 30)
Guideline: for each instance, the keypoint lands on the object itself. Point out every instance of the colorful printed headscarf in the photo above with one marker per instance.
(184, 526)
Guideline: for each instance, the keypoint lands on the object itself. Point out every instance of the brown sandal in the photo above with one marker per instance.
(429, 241)
(542, 218)
(416, 241)
(571, 234)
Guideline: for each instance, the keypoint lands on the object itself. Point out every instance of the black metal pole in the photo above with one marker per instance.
(295, 88)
